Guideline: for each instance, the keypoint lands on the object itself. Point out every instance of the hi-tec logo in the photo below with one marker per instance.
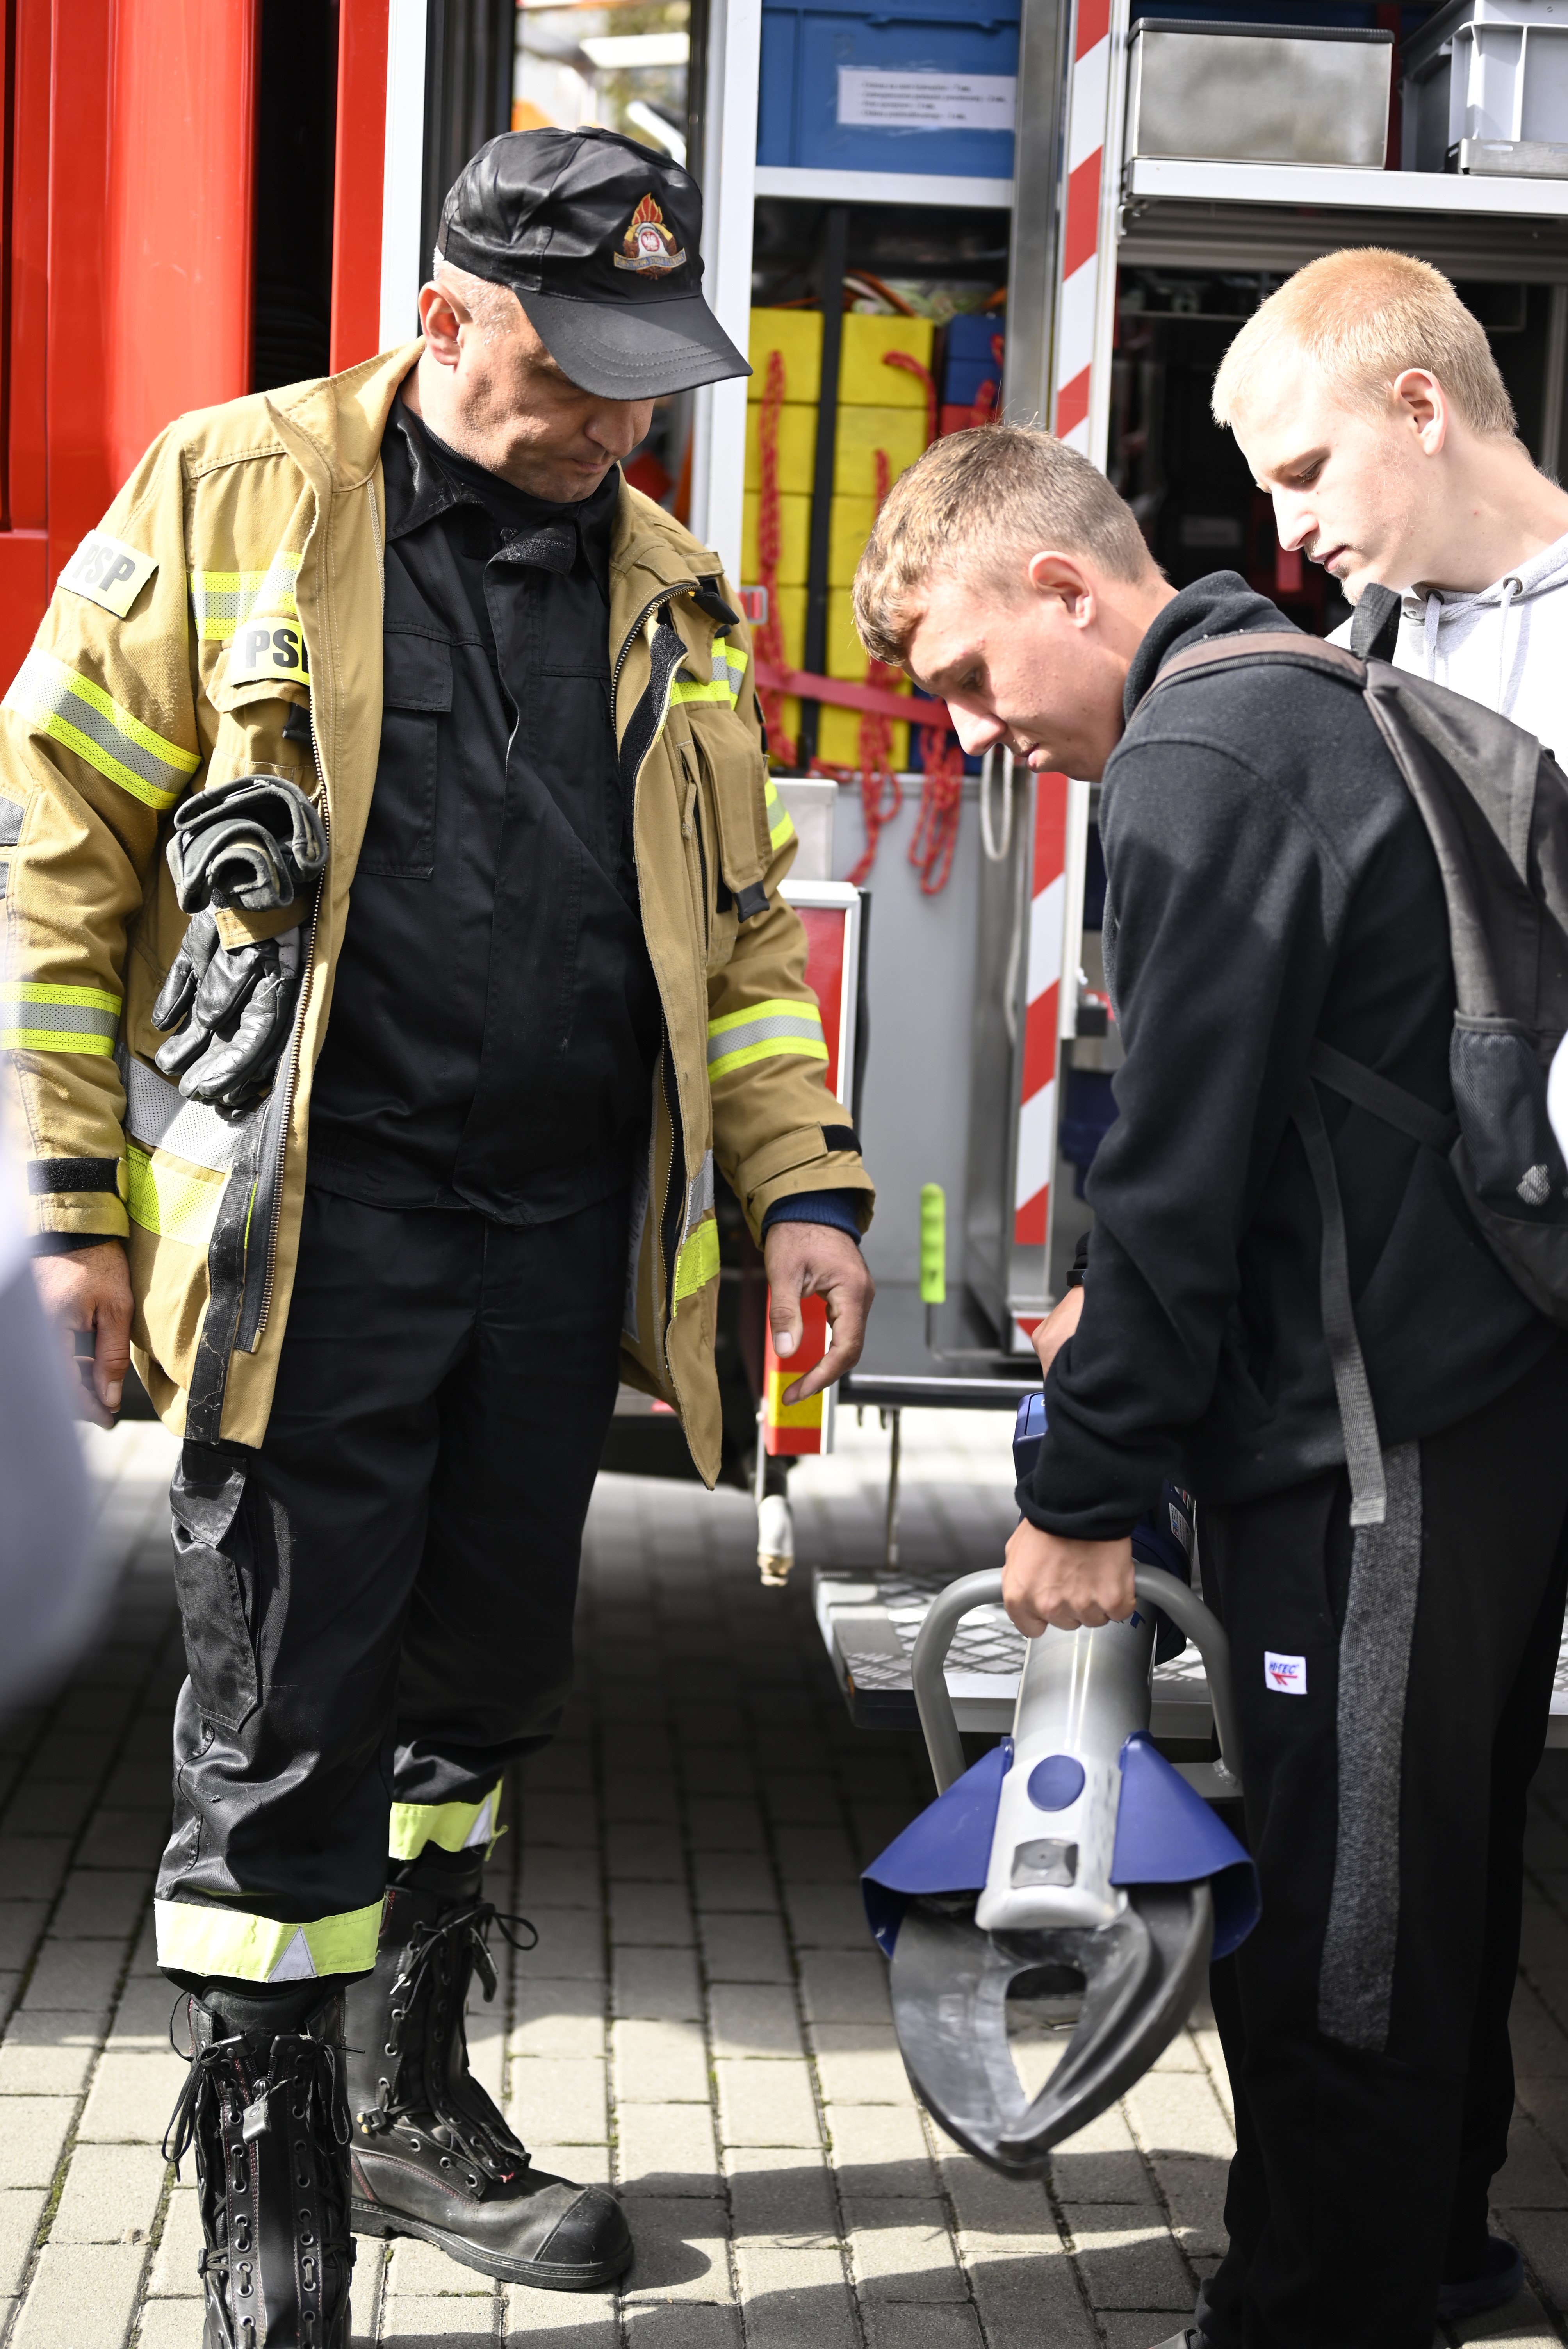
(269, 649)
(107, 573)
(647, 246)
(1287, 1674)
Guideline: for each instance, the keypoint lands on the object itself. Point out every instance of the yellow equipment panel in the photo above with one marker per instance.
(860, 432)
(865, 380)
(794, 540)
(797, 336)
(797, 448)
(850, 523)
(838, 738)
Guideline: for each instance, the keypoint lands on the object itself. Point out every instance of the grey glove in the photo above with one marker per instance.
(237, 1007)
(253, 842)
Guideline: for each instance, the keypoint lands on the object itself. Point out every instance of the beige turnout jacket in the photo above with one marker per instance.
(237, 578)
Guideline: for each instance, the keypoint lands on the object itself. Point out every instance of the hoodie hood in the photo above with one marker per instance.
(1505, 646)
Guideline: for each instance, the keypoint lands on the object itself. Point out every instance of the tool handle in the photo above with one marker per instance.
(1207, 1633)
(939, 1722)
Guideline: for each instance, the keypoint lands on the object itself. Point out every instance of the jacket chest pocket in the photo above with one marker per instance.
(732, 785)
(416, 692)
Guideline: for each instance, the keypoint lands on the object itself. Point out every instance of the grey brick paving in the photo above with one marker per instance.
(703, 2022)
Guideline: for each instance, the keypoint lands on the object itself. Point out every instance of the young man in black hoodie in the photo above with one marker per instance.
(1271, 882)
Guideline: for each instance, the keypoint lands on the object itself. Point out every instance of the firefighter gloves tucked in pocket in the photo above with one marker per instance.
(253, 843)
(237, 1004)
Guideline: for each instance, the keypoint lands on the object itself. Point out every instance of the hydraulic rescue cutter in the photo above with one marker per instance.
(1073, 1870)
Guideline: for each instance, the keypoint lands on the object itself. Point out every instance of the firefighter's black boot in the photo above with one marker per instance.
(267, 2112)
(431, 2156)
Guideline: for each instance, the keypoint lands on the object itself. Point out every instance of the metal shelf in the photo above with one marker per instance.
(1153, 177)
(883, 188)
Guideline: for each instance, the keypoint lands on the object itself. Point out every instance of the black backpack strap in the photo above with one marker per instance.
(1358, 1419)
(1389, 1101)
(1375, 630)
(1265, 649)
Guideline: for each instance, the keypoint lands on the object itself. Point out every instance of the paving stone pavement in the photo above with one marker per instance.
(704, 2021)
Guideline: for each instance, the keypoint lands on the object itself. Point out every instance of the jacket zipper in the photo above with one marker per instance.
(274, 1221)
(665, 595)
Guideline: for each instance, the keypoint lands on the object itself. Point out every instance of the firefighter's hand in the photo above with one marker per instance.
(1048, 1579)
(1052, 1334)
(817, 1260)
(90, 1290)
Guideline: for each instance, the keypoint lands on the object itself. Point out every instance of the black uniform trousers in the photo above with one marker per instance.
(378, 1603)
(1361, 2175)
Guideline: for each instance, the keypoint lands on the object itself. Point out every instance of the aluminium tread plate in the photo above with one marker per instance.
(870, 1622)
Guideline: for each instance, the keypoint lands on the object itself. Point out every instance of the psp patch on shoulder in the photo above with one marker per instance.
(107, 573)
(1286, 1674)
(269, 649)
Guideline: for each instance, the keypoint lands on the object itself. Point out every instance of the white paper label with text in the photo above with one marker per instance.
(871, 100)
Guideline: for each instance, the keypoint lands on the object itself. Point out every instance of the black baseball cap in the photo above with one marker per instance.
(600, 239)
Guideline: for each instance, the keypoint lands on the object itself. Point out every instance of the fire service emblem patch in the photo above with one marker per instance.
(648, 245)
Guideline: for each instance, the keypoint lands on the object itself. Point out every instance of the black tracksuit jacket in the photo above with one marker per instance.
(1269, 881)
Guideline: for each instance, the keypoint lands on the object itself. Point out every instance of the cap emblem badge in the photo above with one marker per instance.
(648, 245)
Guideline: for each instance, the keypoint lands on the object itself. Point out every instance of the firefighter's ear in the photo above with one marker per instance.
(442, 317)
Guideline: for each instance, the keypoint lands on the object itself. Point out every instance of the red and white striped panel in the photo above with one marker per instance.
(1077, 301)
(1037, 1093)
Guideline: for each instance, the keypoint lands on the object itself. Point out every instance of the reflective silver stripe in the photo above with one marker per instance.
(806, 1025)
(65, 1018)
(158, 1117)
(86, 719)
(699, 1196)
(222, 599)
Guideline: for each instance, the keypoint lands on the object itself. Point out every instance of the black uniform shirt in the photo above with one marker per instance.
(494, 1016)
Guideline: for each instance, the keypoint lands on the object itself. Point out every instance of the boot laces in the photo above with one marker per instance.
(458, 1946)
(292, 2054)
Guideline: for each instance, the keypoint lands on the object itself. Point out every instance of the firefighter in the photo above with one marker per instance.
(397, 950)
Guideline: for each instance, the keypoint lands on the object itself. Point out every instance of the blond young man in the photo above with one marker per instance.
(1366, 397)
(1271, 883)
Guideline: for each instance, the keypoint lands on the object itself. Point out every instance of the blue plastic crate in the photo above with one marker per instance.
(969, 356)
(918, 62)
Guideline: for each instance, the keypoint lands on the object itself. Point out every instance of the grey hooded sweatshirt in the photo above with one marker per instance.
(1505, 646)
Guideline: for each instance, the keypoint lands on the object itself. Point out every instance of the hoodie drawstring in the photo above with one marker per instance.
(1510, 588)
(1429, 641)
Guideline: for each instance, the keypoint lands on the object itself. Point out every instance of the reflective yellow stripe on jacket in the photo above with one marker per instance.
(727, 672)
(780, 827)
(222, 600)
(38, 1016)
(163, 1199)
(764, 1032)
(87, 720)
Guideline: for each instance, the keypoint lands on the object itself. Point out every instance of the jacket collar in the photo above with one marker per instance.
(1222, 605)
(425, 478)
(344, 417)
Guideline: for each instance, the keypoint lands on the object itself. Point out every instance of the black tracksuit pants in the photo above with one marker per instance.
(1365, 2021)
(378, 1603)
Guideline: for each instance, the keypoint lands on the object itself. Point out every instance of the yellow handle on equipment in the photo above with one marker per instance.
(933, 1244)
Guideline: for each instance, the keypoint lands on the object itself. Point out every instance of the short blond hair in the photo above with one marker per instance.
(974, 500)
(1361, 318)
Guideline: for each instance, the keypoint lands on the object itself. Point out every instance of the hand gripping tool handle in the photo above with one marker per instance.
(938, 1721)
